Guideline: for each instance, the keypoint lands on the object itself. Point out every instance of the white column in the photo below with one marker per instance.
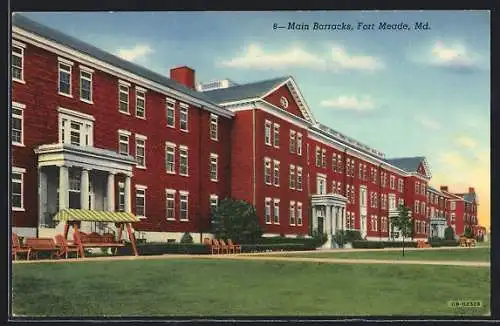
(42, 196)
(63, 187)
(314, 218)
(110, 193)
(128, 197)
(344, 222)
(329, 226)
(84, 189)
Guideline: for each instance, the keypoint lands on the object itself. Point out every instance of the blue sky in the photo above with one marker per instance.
(406, 93)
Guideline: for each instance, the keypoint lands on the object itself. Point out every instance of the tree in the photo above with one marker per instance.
(403, 223)
(236, 220)
(449, 233)
(468, 233)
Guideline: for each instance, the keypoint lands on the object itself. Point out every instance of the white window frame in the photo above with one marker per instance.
(321, 184)
(323, 158)
(276, 173)
(317, 156)
(121, 196)
(21, 172)
(122, 85)
(214, 127)
(392, 182)
(299, 177)
(298, 216)
(140, 138)
(170, 149)
(268, 171)
(267, 211)
(267, 133)
(184, 194)
(298, 144)
(276, 135)
(21, 47)
(214, 161)
(85, 121)
(170, 107)
(124, 133)
(214, 201)
(170, 197)
(140, 93)
(292, 213)
(138, 189)
(183, 153)
(400, 185)
(292, 144)
(291, 177)
(90, 78)
(68, 63)
(184, 112)
(20, 107)
(276, 211)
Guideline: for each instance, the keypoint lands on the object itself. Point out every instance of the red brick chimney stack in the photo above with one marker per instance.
(444, 188)
(471, 190)
(183, 75)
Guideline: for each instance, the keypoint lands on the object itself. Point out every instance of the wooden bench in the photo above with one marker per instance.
(213, 248)
(37, 245)
(18, 247)
(94, 240)
(422, 244)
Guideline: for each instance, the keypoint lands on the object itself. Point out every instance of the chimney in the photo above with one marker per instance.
(471, 190)
(183, 75)
(444, 188)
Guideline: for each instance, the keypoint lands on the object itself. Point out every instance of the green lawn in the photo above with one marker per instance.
(472, 254)
(226, 287)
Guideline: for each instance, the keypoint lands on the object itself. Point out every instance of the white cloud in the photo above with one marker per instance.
(255, 57)
(140, 50)
(452, 56)
(467, 142)
(428, 123)
(349, 103)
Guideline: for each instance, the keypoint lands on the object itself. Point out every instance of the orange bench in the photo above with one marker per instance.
(94, 240)
(18, 247)
(37, 245)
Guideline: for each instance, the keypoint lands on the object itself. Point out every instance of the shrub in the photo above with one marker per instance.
(273, 247)
(449, 233)
(187, 238)
(367, 244)
(444, 243)
(399, 244)
(319, 238)
(342, 237)
(468, 233)
(156, 248)
(308, 243)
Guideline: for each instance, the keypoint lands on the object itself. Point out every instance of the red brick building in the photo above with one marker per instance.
(93, 131)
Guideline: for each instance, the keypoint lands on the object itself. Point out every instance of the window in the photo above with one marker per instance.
(348, 167)
(76, 128)
(123, 137)
(170, 204)
(17, 177)
(292, 213)
(86, 84)
(318, 156)
(417, 187)
(276, 214)
(392, 181)
(323, 158)
(384, 223)
(183, 160)
(183, 117)
(292, 141)
(339, 188)
(214, 202)
(400, 185)
(267, 211)
(299, 178)
(214, 175)
(299, 143)
(299, 213)
(375, 200)
(276, 173)
(392, 201)
(374, 223)
(417, 206)
(170, 113)
(267, 133)
(214, 127)
(353, 194)
(65, 77)
(267, 170)
(422, 189)
(334, 162)
(453, 205)
(276, 136)
(140, 201)
(17, 124)
(401, 202)
(170, 157)
(339, 163)
(121, 197)
(321, 184)
(140, 150)
(18, 62)
(364, 172)
(360, 172)
(123, 97)
(422, 207)
(140, 103)
(292, 176)
(183, 207)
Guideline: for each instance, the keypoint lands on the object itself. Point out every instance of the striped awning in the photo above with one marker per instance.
(72, 214)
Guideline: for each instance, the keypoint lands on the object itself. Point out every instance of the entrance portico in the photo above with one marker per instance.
(81, 177)
(328, 215)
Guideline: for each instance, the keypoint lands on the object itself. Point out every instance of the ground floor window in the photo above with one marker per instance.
(140, 201)
(121, 197)
(17, 188)
(183, 206)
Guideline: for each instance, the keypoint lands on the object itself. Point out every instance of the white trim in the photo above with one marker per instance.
(124, 132)
(18, 44)
(140, 89)
(184, 105)
(18, 170)
(64, 61)
(167, 143)
(139, 136)
(18, 105)
(321, 175)
(170, 191)
(183, 192)
(212, 196)
(214, 155)
(124, 83)
(60, 49)
(75, 114)
(170, 100)
(86, 69)
(141, 187)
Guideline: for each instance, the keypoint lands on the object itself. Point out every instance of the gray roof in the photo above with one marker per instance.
(56, 36)
(245, 91)
(408, 164)
(434, 189)
(469, 197)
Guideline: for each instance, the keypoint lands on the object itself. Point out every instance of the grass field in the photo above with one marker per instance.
(469, 254)
(167, 287)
